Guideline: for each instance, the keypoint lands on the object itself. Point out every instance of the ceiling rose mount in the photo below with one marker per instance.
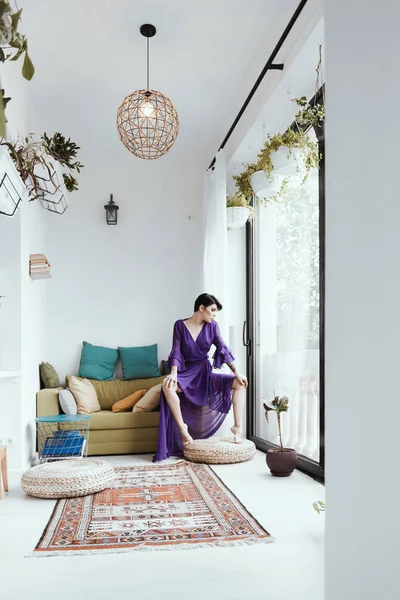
(148, 30)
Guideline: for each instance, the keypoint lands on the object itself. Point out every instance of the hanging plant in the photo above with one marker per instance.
(62, 150)
(294, 145)
(239, 210)
(12, 46)
(238, 200)
(309, 115)
(307, 157)
(70, 182)
(30, 156)
(11, 39)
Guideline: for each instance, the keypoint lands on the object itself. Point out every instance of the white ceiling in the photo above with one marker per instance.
(206, 56)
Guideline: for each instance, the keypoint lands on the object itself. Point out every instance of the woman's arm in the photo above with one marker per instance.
(176, 359)
(223, 354)
(242, 379)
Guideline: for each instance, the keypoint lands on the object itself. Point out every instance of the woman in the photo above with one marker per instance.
(194, 400)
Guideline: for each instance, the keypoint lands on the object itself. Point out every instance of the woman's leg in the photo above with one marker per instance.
(172, 399)
(238, 397)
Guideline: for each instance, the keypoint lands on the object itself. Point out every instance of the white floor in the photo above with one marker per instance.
(289, 569)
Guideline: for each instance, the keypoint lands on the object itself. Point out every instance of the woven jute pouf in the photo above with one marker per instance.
(219, 451)
(67, 478)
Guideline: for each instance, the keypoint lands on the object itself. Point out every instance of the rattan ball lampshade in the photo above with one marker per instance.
(147, 123)
(147, 120)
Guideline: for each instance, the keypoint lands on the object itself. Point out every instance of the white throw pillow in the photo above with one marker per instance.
(67, 402)
(85, 396)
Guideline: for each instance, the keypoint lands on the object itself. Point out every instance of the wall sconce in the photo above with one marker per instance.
(111, 211)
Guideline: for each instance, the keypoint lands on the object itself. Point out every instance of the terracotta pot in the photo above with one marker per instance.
(281, 464)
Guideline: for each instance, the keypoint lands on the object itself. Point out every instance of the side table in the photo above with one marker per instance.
(62, 436)
(3, 471)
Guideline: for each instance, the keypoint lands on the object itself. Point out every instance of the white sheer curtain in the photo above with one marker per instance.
(215, 238)
(215, 267)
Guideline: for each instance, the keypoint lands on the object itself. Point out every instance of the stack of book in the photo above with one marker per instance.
(39, 267)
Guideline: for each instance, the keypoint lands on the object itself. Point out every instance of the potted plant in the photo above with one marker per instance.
(283, 155)
(281, 461)
(238, 210)
(34, 163)
(12, 45)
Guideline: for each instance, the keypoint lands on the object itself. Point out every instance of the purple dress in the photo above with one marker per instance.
(206, 397)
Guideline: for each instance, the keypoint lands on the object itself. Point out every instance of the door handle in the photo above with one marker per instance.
(246, 342)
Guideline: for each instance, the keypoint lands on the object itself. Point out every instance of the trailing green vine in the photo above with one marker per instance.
(291, 140)
(13, 45)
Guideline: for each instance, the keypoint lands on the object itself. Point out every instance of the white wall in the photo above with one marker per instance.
(124, 285)
(362, 300)
(22, 314)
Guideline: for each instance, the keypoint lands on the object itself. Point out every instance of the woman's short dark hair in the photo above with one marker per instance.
(206, 300)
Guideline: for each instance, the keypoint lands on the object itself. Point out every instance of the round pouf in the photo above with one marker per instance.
(219, 451)
(67, 478)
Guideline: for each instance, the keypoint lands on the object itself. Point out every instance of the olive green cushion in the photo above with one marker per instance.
(106, 419)
(49, 375)
(109, 392)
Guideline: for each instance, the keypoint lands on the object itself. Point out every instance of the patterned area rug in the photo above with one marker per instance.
(152, 507)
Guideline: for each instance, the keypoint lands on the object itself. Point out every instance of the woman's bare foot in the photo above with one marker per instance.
(236, 434)
(186, 437)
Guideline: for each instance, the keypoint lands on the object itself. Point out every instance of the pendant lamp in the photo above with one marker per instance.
(147, 120)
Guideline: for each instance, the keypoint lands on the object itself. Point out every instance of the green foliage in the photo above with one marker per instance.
(28, 155)
(297, 268)
(11, 39)
(10, 36)
(319, 506)
(278, 404)
(309, 115)
(236, 199)
(291, 140)
(3, 103)
(70, 182)
(64, 151)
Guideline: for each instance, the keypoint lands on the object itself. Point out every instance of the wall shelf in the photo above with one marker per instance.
(9, 374)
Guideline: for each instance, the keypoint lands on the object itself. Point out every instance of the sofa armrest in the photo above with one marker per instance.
(47, 402)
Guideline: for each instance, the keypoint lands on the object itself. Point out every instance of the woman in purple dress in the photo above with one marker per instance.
(194, 399)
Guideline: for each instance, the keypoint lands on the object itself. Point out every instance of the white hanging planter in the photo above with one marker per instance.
(287, 162)
(237, 216)
(12, 188)
(265, 187)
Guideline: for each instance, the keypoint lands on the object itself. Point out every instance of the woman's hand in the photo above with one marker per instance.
(242, 379)
(170, 381)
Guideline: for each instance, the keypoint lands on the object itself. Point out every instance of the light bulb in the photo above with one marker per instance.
(147, 108)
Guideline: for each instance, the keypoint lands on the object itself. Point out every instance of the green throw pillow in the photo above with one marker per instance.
(49, 375)
(98, 362)
(140, 362)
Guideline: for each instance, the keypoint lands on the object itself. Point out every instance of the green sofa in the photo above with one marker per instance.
(112, 433)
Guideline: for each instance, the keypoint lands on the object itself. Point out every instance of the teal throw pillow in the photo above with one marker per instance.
(98, 362)
(140, 362)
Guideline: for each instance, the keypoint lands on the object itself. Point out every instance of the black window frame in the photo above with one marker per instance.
(306, 465)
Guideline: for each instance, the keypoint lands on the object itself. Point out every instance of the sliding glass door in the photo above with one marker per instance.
(285, 317)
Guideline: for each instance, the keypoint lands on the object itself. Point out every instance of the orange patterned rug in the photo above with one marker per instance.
(152, 507)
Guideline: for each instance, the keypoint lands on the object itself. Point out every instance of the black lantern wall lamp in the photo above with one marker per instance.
(111, 211)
